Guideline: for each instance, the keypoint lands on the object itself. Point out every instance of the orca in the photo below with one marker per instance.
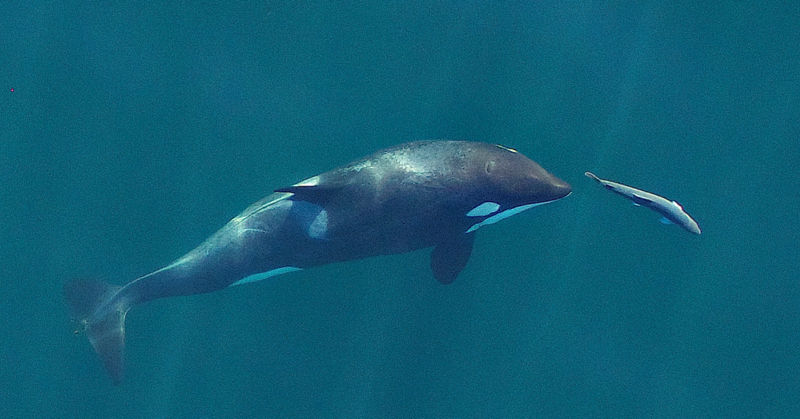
(412, 196)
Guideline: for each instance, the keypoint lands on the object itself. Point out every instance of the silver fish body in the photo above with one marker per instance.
(669, 209)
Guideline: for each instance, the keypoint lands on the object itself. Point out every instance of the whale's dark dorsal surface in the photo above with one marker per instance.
(411, 196)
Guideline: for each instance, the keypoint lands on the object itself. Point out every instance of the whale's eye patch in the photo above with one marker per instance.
(488, 167)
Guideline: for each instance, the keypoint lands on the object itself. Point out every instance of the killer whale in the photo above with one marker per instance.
(411, 196)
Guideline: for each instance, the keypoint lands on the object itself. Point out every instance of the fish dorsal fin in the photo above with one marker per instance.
(449, 257)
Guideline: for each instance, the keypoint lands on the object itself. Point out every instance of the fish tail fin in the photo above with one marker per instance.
(592, 176)
(102, 316)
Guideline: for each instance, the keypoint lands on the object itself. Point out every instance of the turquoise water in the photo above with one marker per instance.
(130, 133)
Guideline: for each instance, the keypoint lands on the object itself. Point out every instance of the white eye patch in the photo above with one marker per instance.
(503, 215)
(484, 209)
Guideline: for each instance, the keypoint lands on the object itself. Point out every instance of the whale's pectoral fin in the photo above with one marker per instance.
(449, 258)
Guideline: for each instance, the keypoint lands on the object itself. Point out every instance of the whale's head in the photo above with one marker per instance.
(516, 179)
(506, 183)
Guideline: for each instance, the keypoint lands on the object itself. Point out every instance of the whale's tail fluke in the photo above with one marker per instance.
(93, 304)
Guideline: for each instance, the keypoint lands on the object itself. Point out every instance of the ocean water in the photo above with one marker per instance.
(132, 132)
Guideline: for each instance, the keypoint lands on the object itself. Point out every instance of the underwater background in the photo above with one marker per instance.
(131, 132)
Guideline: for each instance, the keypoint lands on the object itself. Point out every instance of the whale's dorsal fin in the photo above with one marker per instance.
(316, 194)
(318, 189)
(449, 258)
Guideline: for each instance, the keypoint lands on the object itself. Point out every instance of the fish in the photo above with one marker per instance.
(671, 211)
(423, 194)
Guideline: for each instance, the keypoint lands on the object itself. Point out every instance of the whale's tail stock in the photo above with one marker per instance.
(94, 306)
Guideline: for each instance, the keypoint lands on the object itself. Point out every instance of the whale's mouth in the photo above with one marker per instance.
(559, 189)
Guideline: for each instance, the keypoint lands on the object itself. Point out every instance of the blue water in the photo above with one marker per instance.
(129, 133)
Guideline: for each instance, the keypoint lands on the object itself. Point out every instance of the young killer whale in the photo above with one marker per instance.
(672, 211)
(411, 196)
